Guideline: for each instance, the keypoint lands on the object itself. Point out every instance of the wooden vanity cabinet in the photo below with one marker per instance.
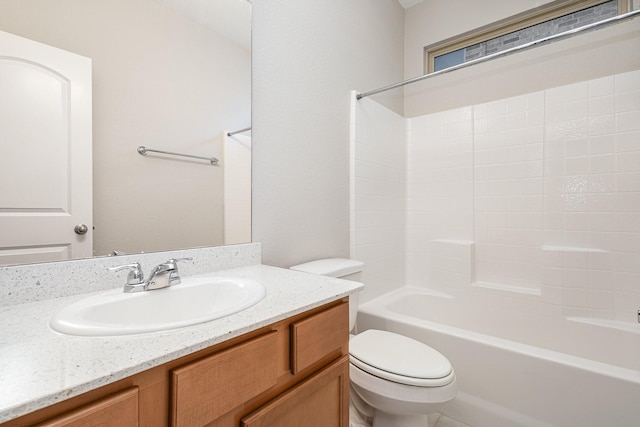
(292, 373)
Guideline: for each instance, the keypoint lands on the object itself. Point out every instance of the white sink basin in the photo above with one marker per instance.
(195, 300)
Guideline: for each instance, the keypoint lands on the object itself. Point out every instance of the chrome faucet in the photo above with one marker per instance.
(163, 275)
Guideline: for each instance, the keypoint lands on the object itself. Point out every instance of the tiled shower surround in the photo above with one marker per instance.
(535, 196)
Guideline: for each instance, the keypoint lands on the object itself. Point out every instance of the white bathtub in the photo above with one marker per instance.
(517, 366)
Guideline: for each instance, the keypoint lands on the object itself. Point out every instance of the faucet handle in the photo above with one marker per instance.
(172, 267)
(175, 260)
(172, 263)
(135, 277)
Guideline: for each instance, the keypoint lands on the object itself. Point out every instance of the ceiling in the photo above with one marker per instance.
(408, 3)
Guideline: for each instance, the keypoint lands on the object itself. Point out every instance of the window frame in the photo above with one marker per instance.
(517, 22)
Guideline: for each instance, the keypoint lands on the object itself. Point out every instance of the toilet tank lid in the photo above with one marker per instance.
(332, 267)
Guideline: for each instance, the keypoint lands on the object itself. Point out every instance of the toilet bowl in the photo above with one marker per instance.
(396, 379)
(403, 379)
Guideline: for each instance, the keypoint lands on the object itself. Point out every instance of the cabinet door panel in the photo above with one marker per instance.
(207, 389)
(320, 401)
(117, 410)
(318, 336)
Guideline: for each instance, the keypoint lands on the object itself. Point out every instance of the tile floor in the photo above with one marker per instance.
(435, 420)
(444, 421)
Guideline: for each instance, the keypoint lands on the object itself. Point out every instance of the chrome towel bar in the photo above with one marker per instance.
(144, 150)
(238, 131)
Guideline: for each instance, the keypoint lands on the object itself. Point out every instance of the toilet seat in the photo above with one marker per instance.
(400, 359)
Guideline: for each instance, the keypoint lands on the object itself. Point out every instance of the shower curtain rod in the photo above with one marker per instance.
(238, 131)
(525, 46)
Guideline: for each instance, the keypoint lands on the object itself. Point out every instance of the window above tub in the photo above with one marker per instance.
(538, 23)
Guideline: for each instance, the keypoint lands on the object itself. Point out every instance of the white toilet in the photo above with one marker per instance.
(395, 379)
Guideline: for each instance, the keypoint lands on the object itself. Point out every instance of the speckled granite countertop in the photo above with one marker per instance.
(40, 367)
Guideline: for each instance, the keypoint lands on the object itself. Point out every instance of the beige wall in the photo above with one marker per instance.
(159, 80)
(307, 56)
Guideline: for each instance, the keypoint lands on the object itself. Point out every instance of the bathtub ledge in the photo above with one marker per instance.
(507, 288)
(633, 328)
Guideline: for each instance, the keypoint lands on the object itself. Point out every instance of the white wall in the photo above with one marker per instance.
(237, 189)
(378, 204)
(307, 57)
(159, 80)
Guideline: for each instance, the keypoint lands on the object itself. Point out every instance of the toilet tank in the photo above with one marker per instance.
(342, 268)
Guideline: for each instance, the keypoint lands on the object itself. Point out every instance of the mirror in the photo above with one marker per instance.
(170, 75)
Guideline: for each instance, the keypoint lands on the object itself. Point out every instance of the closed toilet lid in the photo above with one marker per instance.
(399, 359)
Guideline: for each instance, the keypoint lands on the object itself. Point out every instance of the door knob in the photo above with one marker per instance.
(81, 229)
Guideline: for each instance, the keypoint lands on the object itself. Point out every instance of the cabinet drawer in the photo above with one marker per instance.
(318, 336)
(207, 389)
(119, 409)
(320, 401)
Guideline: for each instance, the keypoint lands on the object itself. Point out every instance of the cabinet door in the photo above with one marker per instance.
(320, 401)
(318, 336)
(117, 410)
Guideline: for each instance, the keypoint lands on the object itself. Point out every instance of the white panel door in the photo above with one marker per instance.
(45, 152)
